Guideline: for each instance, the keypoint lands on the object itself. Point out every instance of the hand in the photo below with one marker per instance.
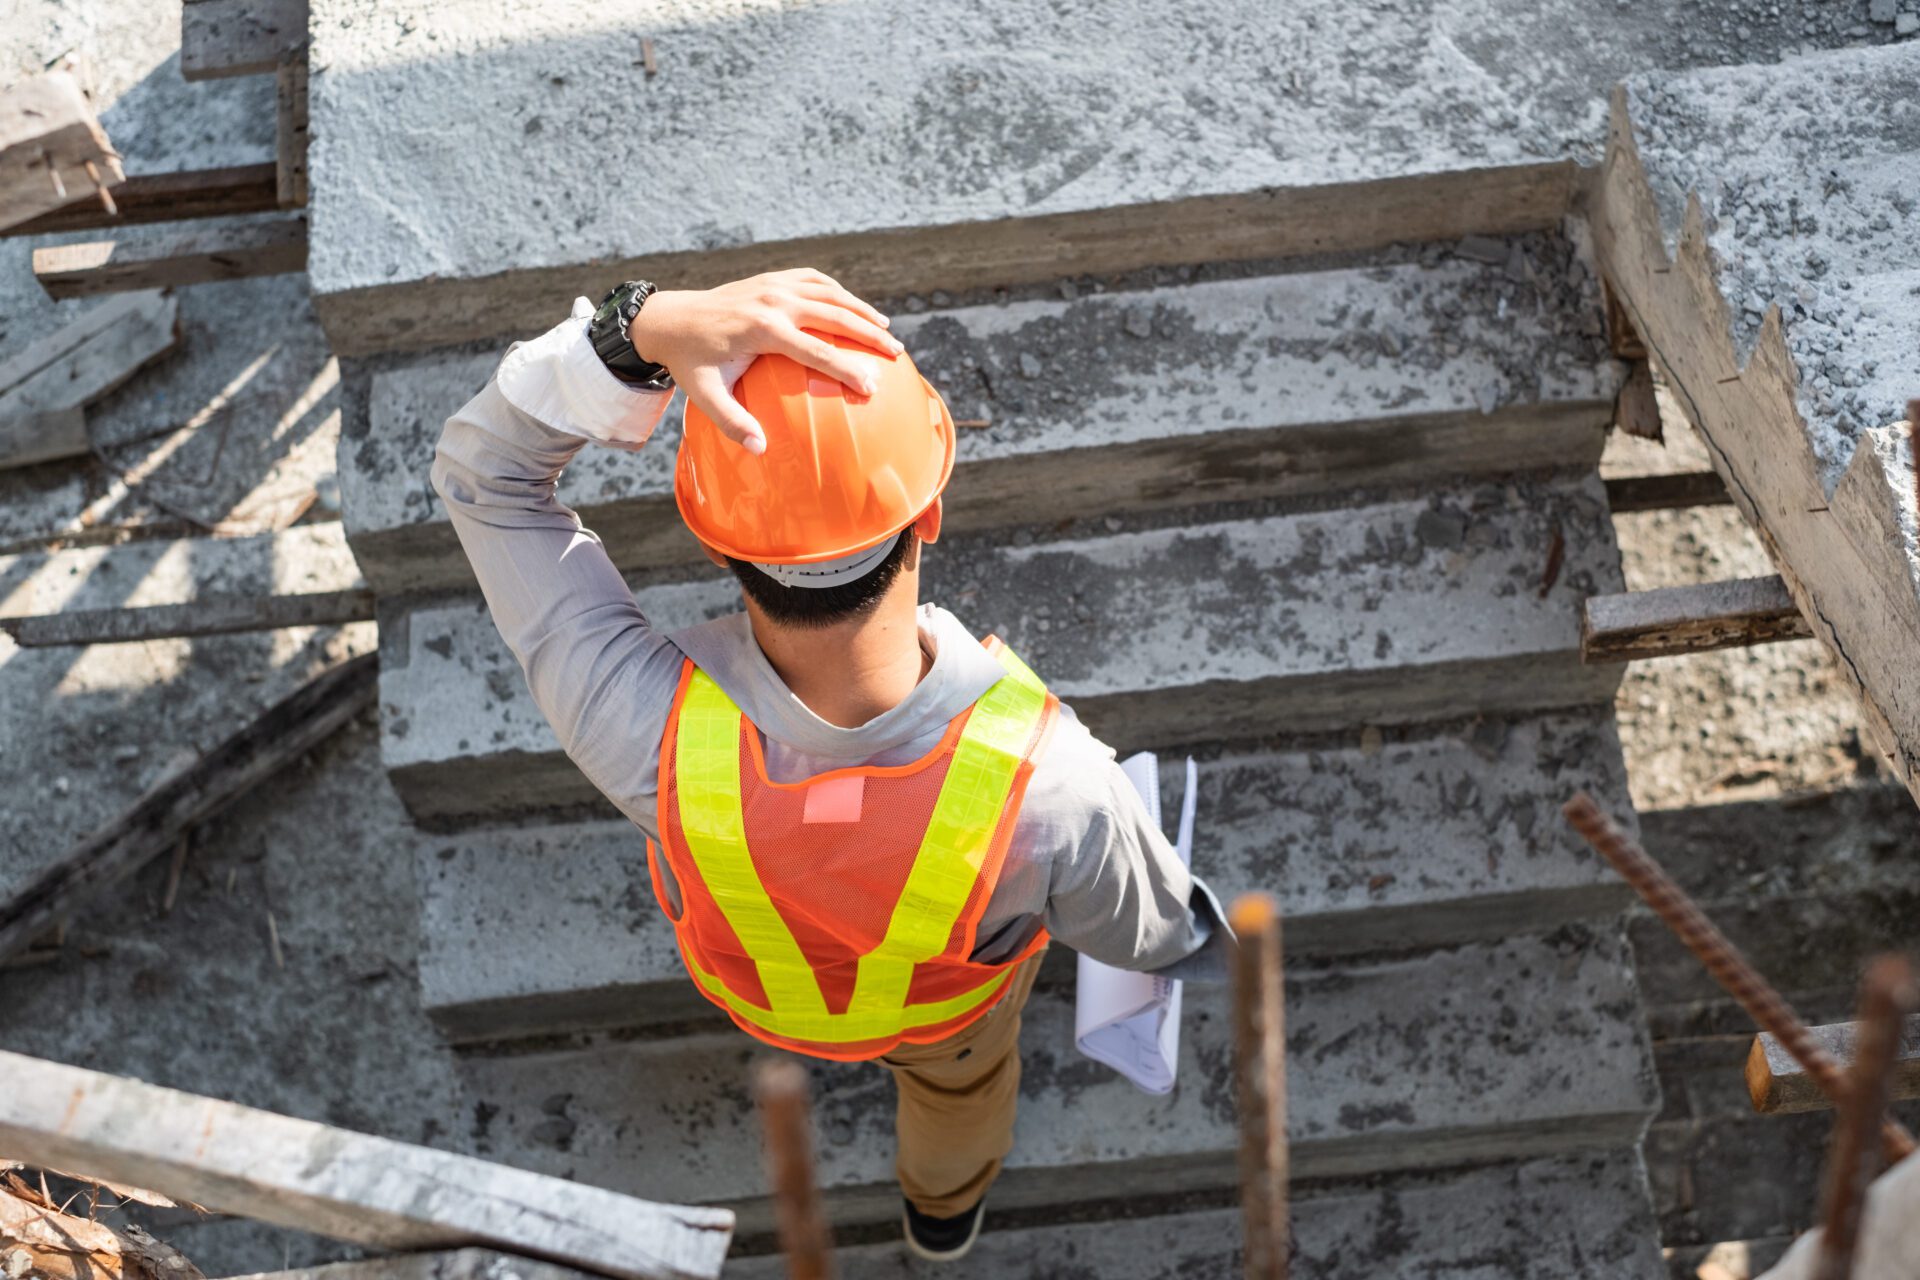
(707, 337)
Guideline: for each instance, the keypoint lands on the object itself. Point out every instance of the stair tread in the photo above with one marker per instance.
(1524, 1047)
(1419, 841)
(1121, 401)
(1418, 609)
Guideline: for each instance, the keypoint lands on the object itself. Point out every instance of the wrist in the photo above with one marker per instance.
(647, 332)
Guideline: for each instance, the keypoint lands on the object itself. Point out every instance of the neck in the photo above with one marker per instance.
(851, 672)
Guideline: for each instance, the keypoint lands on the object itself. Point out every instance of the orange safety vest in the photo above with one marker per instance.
(836, 916)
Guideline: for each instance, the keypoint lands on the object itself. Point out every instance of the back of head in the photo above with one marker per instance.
(818, 526)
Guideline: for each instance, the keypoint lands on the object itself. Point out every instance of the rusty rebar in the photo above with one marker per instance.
(780, 1086)
(1260, 1081)
(1722, 959)
(1887, 995)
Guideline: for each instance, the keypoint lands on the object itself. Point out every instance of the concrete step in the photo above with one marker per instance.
(1009, 148)
(1423, 840)
(1217, 391)
(1527, 1047)
(1404, 611)
(1573, 1216)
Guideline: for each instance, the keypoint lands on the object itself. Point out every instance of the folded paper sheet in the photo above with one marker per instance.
(1131, 1021)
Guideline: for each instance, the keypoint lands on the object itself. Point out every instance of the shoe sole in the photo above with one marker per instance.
(954, 1254)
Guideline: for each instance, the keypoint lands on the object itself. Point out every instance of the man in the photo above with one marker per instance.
(864, 825)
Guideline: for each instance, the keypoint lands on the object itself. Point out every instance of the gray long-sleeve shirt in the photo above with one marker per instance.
(1085, 859)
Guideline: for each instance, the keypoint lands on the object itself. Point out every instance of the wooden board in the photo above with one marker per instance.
(450, 1264)
(1664, 493)
(211, 616)
(44, 389)
(338, 1183)
(1842, 560)
(154, 823)
(1671, 621)
(48, 136)
(195, 257)
(1778, 1085)
(239, 37)
(290, 132)
(166, 197)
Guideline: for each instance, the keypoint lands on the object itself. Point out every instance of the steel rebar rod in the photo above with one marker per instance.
(1886, 996)
(780, 1086)
(1722, 959)
(1260, 1079)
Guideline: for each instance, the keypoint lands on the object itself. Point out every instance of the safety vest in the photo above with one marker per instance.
(835, 916)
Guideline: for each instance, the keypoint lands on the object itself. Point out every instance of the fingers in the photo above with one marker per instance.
(823, 317)
(850, 368)
(829, 291)
(708, 389)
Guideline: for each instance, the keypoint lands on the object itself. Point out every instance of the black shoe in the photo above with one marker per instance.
(943, 1239)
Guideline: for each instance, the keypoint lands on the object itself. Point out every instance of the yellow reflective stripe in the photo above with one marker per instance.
(972, 798)
(853, 1028)
(706, 766)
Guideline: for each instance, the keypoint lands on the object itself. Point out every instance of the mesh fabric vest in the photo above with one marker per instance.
(835, 916)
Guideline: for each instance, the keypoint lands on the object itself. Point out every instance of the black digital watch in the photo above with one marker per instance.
(613, 343)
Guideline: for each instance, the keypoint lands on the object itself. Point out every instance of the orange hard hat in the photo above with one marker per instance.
(841, 472)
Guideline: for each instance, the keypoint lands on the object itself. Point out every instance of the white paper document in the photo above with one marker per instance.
(1131, 1021)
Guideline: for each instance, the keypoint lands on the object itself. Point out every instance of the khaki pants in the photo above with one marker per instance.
(957, 1102)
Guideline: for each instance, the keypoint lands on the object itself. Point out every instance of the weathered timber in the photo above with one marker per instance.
(1670, 621)
(1636, 410)
(155, 822)
(1779, 1085)
(238, 37)
(1837, 529)
(212, 616)
(1665, 493)
(166, 197)
(290, 131)
(338, 1183)
(891, 262)
(446, 1264)
(53, 151)
(45, 388)
(195, 257)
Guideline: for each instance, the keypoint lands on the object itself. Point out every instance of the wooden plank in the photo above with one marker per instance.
(445, 1264)
(1696, 619)
(1664, 493)
(1840, 553)
(290, 136)
(1779, 1085)
(239, 37)
(196, 257)
(154, 823)
(212, 616)
(53, 151)
(44, 389)
(166, 197)
(338, 1183)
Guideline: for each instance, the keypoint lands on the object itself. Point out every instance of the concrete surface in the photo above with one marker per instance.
(922, 145)
(1529, 1046)
(1427, 840)
(1119, 401)
(1807, 174)
(1577, 1216)
(89, 728)
(1418, 609)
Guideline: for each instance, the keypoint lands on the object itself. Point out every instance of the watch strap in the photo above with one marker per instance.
(610, 333)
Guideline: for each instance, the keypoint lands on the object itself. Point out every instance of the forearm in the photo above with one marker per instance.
(596, 670)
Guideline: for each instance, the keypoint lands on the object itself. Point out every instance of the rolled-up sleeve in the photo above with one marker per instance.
(603, 677)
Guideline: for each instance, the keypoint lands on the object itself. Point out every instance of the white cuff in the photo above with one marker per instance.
(558, 380)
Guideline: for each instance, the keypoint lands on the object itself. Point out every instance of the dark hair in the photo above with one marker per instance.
(822, 606)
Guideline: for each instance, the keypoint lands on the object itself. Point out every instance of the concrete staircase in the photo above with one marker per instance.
(1326, 529)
